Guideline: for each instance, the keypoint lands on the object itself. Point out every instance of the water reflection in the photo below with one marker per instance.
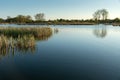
(100, 31)
(56, 30)
(27, 44)
(67, 55)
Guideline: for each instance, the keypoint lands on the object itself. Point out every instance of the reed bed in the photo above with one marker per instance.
(10, 45)
(22, 39)
(37, 32)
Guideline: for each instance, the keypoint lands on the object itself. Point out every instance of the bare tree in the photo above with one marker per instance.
(40, 17)
(8, 17)
(100, 14)
(104, 14)
(28, 17)
(97, 15)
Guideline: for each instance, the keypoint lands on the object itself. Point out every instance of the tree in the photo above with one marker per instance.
(116, 20)
(1, 20)
(23, 19)
(40, 17)
(28, 17)
(100, 14)
(97, 15)
(8, 17)
(104, 14)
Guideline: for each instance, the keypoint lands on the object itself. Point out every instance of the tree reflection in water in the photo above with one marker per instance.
(100, 31)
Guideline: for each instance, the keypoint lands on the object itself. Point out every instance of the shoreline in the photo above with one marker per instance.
(113, 24)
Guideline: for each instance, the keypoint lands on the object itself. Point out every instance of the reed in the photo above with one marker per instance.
(23, 43)
(22, 39)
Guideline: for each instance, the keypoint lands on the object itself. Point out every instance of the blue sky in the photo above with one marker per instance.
(53, 9)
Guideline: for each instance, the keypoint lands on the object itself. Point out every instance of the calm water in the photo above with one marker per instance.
(71, 53)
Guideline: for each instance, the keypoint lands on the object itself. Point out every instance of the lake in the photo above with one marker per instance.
(85, 52)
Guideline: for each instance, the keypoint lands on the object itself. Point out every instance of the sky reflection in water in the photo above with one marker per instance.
(71, 53)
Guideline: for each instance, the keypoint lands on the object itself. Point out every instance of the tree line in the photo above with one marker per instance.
(23, 19)
(99, 16)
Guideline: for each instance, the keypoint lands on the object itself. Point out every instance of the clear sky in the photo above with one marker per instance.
(53, 9)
